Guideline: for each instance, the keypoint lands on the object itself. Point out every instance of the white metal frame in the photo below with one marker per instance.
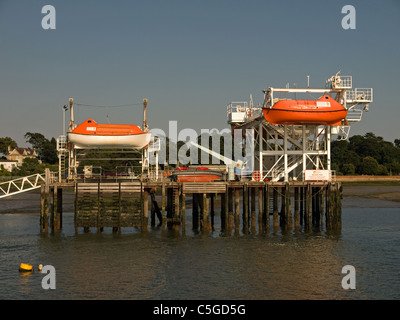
(19, 185)
(299, 146)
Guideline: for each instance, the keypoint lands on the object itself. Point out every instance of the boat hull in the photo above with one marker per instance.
(324, 111)
(195, 176)
(85, 141)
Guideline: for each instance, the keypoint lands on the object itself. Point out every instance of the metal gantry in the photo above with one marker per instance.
(70, 155)
(287, 152)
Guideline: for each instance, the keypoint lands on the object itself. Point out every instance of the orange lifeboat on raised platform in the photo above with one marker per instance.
(324, 111)
(90, 134)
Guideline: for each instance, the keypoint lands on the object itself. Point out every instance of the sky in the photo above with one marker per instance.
(188, 58)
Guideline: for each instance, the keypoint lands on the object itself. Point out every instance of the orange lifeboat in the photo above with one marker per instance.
(324, 111)
(90, 134)
(200, 174)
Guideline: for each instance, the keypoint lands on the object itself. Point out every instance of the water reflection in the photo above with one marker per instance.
(171, 264)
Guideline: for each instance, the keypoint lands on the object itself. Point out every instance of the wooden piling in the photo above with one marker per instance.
(266, 208)
(288, 208)
(145, 216)
(321, 205)
(224, 206)
(275, 209)
(307, 216)
(195, 211)
(260, 209)
(296, 208)
(282, 217)
(230, 208)
(164, 216)
(56, 209)
(253, 210)
(212, 211)
(245, 208)
(302, 206)
(110, 205)
(204, 220)
(183, 211)
(237, 210)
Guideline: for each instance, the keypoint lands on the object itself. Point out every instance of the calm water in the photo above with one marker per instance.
(168, 265)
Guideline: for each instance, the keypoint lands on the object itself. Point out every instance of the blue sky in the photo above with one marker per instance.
(189, 58)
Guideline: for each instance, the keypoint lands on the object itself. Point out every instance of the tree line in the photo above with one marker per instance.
(45, 149)
(366, 155)
(359, 155)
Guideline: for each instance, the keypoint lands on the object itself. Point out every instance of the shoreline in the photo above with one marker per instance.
(368, 180)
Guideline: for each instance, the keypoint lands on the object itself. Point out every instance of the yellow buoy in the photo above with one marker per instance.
(25, 267)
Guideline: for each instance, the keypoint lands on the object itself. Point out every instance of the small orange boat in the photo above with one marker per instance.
(200, 174)
(324, 111)
(90, 134)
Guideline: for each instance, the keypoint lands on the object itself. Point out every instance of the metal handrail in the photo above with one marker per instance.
(23, 184)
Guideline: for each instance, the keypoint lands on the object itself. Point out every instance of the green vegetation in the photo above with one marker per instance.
(5, 143)
(46, 150)
(368, 155)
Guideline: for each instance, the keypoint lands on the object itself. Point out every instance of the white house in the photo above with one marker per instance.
(8, 164)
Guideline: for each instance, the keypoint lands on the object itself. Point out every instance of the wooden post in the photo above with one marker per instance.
(339, 201)
(53, 204)
(223, 210)
(145, 214)
(237, 210)
(99, 227)
(204, 222)
(169, 207)
(288, 209)
(245, 208)
(302, 191)
(313, 206)
(42, 209)
(253, 210)
(195, 211)
(260, 209)
(307, 218)
(46, 203)
(54, 216)
(118, 227)
(59, 208)
(275, 209)
(337, 211)
(183, 214)
(164, 216)
(230, 208)
(266, 208)
(296, 208)
(76, 208)
(318, 206)
(177, 211)
(282, 220)
(329, 207)
(152, 212)
(212, 212)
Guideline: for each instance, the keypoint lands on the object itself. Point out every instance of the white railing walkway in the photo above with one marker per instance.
(23, 184)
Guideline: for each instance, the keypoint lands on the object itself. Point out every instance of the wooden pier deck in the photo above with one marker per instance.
(249, 206)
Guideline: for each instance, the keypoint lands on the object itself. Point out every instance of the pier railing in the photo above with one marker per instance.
(24, 184)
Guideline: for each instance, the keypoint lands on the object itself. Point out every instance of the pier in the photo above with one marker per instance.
(245, 206)
(285, 179)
